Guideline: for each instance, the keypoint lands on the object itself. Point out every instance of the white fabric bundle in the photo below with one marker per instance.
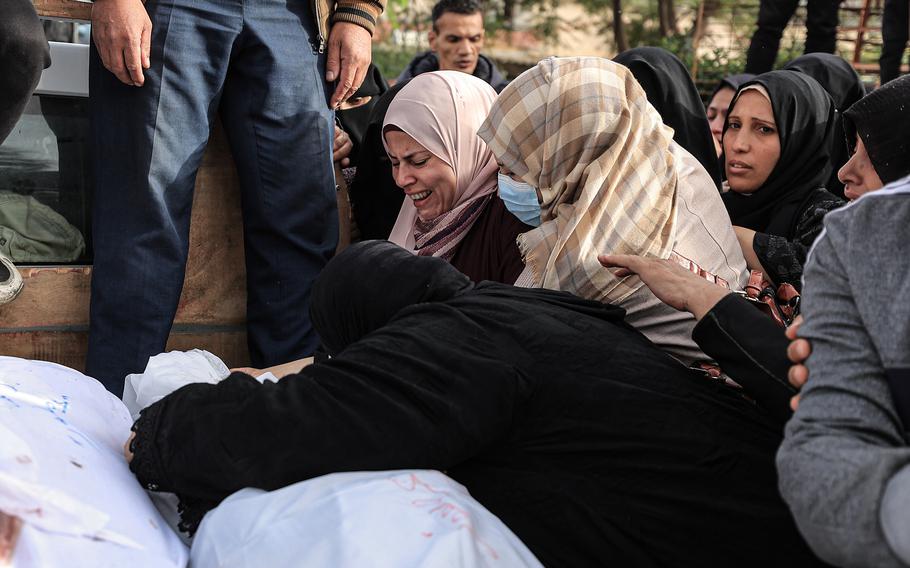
(62, 472)
(381, 519)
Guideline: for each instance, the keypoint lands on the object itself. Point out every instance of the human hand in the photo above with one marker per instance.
(798, 351)
(671, 283)
(251, 371)
(126, 448)
(342, 148)
(122, 32)
(349, 56)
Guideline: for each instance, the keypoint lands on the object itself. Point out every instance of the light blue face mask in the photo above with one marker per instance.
(520, 199)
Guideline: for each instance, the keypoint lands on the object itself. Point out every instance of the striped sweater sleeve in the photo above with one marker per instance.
(361, 12)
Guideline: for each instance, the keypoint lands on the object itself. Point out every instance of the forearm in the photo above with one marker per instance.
(285, 369)
(751, 349)
(746, 239)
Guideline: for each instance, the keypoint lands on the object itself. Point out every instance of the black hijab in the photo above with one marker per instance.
(804, 114)
(843, 84)
(355, 121)
(375, 198)
(364, 287)
(732, 81)
(882, 120)
(670, 90)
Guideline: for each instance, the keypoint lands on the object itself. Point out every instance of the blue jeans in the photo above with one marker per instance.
(255, 63)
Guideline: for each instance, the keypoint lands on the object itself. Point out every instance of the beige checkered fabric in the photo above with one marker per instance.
(582, 131)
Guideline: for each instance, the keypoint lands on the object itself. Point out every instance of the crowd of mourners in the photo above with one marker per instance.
(554, 303)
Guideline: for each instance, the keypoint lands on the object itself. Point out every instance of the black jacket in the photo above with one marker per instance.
(427, 61)
(589, 442)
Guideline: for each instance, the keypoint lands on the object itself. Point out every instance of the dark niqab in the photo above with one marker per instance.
(670, 90)
(804, 115)
(355, 121)
(845, 87)
(364, 287)
(375, 198)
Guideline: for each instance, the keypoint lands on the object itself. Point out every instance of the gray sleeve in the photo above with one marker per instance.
(845, 441)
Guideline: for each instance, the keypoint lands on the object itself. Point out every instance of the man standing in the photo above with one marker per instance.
(160, 71)
(773, 16)
(455, 43)
(895, 34)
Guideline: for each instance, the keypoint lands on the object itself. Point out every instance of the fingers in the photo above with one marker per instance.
(333, 59)
(626, 263)
(798, 351)
(342, 147)
(798, 375)
(346, 82)
(127, 453)
(794, 403)
(793, 329)
(123, 56)
(145, 45)
(132, 56)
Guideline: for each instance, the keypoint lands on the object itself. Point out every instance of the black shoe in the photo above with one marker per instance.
(10, 280)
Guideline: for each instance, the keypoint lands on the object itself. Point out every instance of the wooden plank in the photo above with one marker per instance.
(214, 290)
(69, 347)
(53, 296)
(65, 9)
(63, 347)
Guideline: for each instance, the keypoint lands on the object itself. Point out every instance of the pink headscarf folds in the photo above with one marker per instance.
(442, 111)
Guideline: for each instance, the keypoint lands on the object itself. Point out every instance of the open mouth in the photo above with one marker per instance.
(739, 166)
(420, 196)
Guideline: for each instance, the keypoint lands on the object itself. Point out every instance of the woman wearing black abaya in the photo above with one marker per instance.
(375, 198)
(777, 141)
(670, 90)
(354, 114)
(591, 444)
(843, 84)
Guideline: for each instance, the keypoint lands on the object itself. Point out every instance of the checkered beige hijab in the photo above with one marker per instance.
(581, 130)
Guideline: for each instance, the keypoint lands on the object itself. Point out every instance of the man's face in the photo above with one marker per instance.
(457, 40)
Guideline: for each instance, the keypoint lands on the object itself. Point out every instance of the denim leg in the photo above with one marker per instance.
(276, 116)
(773, 16)
(147, 146)
(24, 53)
(895, 31)
(821, 25)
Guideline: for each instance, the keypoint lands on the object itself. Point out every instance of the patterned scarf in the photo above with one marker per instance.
(582, 131)
(440, 236)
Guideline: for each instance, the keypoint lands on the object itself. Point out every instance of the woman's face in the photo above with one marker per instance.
(717, 114)
(858, 175)
(426, 180)
(751, 143)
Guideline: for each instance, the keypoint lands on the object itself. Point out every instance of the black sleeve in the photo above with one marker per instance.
(407, 396)
(782, 258)
(751, 349)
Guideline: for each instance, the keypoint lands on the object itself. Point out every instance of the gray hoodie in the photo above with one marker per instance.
(845, 462)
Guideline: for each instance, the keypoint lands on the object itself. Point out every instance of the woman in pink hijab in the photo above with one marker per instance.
(449, 177)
